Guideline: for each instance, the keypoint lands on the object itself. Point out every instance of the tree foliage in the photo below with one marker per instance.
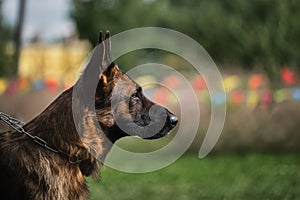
(260, 33)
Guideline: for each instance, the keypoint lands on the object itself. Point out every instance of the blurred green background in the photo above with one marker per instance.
(256, 47)
(234, 32)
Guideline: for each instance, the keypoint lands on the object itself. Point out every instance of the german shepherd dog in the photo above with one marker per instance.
(29, 169)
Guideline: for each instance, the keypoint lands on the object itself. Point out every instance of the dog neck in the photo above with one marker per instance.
(56, 126)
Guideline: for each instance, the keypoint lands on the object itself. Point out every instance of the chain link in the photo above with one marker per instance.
(12, 122)
(18, 126)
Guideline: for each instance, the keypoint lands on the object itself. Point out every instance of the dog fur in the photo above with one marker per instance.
(31, 171)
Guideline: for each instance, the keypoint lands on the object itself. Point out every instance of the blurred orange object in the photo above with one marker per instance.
(256, 81)
(237, 97)
(23, 84)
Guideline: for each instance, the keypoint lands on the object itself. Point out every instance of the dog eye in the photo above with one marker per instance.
(139, 89)
(135, 96)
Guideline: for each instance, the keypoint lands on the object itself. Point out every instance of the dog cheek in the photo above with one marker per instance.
(107, 120)
(87, 167)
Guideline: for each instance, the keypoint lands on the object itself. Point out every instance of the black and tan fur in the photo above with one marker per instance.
(30, 171)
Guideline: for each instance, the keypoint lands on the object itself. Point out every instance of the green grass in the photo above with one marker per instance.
(249, 176)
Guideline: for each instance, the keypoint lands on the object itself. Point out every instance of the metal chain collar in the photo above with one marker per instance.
(18, 126)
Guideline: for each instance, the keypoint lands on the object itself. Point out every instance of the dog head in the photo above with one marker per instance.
(120, 105)
(122, 108)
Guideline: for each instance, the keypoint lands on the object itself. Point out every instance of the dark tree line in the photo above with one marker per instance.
(11, 42)
(255, 33)
(5, 56)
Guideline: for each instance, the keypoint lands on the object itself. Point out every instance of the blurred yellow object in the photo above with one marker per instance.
(252, 99)
(204, 96)
(231, 82)
(3, 85)
(60, 61)
(171, 98)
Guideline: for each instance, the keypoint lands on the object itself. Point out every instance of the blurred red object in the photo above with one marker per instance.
(171, 82)
(160, 96)
(288, 77)
(12, 87)
(199, 83)
(52, 85)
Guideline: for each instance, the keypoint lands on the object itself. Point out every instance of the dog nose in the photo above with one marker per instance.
(173, 120)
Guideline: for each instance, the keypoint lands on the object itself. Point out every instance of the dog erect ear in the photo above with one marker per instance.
(103, 79)
(107, 66)
(107, 46)
(104, 43)
(111, 73)
(100, 59)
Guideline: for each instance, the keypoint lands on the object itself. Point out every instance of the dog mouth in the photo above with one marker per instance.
(171, 123)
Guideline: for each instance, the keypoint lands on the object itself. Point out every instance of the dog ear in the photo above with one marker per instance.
(112, 72)
(103, 79)
(107, 46)
(100, 60)
(106, 58)
(100, 39)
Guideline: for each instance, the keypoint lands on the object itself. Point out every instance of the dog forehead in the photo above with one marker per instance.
(127, 84)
